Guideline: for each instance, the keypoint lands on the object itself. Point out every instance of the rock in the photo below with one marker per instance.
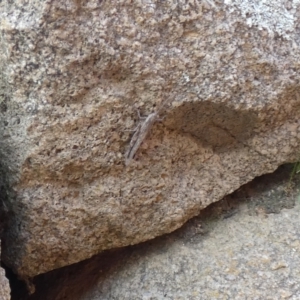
(217, 255)
(73, 75)
(243, 257)
(4, 286)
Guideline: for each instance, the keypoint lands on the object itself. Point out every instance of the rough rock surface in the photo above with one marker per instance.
(246, 246)
(73, 74)
(4, 286)
(244, 257)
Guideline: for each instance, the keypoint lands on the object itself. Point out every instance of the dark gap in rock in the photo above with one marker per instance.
(264, 195)
(73, 281)
(269, 193)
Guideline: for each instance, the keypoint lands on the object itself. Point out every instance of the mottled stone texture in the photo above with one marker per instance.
(73, 74)
(4, 286)
(250, 257)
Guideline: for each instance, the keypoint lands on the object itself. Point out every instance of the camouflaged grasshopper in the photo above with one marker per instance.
(140, 134)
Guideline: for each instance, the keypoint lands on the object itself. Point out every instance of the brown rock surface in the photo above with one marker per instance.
(245, 246)
(73, 74)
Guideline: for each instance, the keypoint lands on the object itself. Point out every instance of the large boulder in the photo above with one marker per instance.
(224, 77)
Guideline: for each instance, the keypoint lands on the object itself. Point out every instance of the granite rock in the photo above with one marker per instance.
(4, 286)
(242, 257)
(245, 246)
(224, 74)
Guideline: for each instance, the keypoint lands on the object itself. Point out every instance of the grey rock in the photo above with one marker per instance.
(72, 76)
(243, 257)
(4, 286)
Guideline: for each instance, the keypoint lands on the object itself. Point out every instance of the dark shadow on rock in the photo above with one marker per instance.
(214, 124)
